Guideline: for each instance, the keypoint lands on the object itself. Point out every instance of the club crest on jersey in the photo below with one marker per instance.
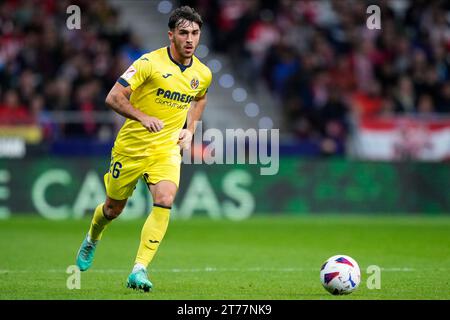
(194, 83)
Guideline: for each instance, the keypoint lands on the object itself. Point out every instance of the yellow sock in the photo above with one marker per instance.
(98, 224)
(152, 234)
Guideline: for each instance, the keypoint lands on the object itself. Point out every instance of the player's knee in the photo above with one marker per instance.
(165, 200)
(112, 211)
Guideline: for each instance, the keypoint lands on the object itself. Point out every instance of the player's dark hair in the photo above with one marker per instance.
(184, 13)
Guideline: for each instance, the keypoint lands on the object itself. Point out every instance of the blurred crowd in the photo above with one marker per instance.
(326, 67)
(45, 67)
(318, 58)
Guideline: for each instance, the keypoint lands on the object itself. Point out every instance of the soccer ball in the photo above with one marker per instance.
(340, 274)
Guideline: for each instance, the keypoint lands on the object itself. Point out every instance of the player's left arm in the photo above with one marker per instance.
(194, 115)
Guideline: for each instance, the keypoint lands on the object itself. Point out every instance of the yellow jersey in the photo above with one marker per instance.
(164, 89)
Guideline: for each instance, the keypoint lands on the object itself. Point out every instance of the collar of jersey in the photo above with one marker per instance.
(181, 66)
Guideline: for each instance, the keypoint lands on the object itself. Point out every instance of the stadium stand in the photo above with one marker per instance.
(318, 62)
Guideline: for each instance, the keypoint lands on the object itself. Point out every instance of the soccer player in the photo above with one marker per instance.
(162, 95)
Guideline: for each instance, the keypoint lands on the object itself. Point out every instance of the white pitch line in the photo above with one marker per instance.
(209, 269)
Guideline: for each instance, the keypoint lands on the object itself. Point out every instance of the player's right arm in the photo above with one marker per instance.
(118, 99)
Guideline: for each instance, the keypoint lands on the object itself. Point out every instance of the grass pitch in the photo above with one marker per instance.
(261, 258)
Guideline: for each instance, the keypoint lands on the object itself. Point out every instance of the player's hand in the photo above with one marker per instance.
(152, 124)
(185, 139)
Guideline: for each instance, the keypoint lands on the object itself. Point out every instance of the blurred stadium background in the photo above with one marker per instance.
(364, 115)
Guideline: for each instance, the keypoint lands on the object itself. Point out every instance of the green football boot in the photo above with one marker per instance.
(85, 255)
(139, 281)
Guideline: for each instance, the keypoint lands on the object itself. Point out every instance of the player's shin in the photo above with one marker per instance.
(152, 234)
(98, 224)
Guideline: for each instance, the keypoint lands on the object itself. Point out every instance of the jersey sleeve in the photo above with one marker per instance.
(137, 73)
(206, 86)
